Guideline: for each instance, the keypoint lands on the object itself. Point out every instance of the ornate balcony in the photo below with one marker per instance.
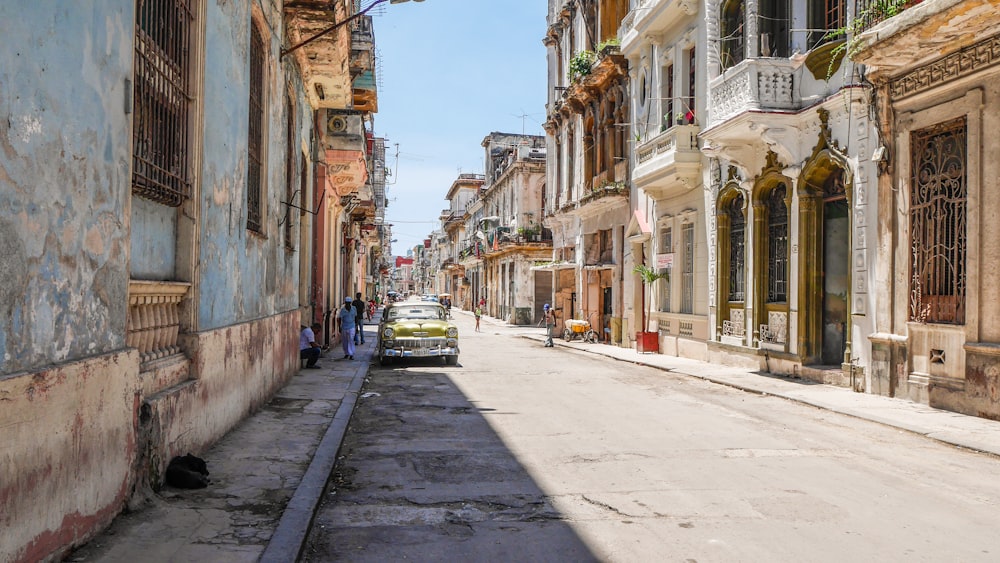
(653, 17)
(670, 157)
(961, 36)
(754, 85)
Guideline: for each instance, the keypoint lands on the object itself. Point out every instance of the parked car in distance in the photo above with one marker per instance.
(416, 329)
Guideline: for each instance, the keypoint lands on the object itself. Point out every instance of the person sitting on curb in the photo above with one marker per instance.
(308, 349)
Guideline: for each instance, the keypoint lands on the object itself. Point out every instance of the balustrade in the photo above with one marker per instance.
(154, 318)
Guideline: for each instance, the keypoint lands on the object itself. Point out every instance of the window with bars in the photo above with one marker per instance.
(737, 249)
(161, 100)
(777, 251)
(255, 142)
(289, 173)
(687, 274)
(666, 247)
(938, 192)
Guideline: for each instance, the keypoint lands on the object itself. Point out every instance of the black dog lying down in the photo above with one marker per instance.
(187, 472)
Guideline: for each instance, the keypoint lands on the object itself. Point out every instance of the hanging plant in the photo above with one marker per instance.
(581, 64)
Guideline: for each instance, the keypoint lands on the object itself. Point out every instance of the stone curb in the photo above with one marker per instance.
(288, 540)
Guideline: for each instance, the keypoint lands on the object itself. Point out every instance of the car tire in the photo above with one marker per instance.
(384, 360)
(451, 360)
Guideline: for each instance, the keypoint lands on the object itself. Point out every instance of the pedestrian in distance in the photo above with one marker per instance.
(308, 349)
(549, 316)
(359, 310)
(478, 313)
(348, 318)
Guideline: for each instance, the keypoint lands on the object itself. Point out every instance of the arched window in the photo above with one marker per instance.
(777, 246)
(737, 249)
(732, 47)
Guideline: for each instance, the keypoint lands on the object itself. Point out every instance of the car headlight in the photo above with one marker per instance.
(388, 332)
(452, 343)
(452, 332)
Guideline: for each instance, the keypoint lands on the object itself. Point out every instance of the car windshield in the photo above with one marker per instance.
(415, 312)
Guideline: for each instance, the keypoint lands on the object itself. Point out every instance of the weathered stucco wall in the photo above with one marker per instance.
(68, 447)
(64, 176)
(77, 424)
(243, 275)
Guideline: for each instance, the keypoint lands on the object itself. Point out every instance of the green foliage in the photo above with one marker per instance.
(650, 275)
(876, 11)
(581, 64)
(613, 42)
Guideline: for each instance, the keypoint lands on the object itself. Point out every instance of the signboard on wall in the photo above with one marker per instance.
(665, 261)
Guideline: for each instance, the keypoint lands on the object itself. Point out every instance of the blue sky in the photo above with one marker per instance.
(452, 71)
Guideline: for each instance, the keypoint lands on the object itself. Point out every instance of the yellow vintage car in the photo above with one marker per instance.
(416, 329)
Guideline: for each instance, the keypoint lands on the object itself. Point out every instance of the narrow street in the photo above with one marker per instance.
(528, 453)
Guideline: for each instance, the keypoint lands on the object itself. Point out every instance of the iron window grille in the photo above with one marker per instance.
(161, 101)
(290, 175)
(938, 192)
(737, 249)
(256, 131)
(777, 252)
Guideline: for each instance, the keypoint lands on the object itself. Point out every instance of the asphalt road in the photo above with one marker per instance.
(525, 453)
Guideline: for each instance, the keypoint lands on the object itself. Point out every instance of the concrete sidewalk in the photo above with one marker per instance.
(267, 478)
(973, 433)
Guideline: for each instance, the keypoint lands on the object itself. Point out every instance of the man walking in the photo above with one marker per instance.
(347, 315)
(550, 323)
(359, 310)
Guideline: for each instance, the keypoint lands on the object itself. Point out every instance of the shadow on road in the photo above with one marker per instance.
(423, 477)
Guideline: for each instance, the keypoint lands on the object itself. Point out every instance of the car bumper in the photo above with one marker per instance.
(420, 352)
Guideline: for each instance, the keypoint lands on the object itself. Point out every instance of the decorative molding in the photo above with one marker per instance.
(961, 63)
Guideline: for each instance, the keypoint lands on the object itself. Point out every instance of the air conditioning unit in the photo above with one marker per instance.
(343, 122)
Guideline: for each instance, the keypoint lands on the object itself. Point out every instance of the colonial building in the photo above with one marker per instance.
(791, 209)
(455, 224)
(587, 177)
(935, 67)
(169, 182)
(664, 43)
(513, 236)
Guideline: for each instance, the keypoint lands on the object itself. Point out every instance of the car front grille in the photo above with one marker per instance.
(414, 343)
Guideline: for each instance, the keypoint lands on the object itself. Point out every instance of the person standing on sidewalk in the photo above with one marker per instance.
(348, 318)
(550, 323)
(359, 310)
(478, 313)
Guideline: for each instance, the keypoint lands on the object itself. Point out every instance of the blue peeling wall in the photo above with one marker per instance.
(243, 276)
(64, 178)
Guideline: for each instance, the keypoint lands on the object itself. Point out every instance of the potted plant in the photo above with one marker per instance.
(647, 341)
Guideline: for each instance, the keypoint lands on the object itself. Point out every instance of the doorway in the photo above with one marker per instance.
(836, 279)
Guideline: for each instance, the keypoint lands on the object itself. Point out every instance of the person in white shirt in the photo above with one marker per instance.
(308, 349)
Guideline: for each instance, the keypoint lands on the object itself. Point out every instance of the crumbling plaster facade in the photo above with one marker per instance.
(91, 420)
